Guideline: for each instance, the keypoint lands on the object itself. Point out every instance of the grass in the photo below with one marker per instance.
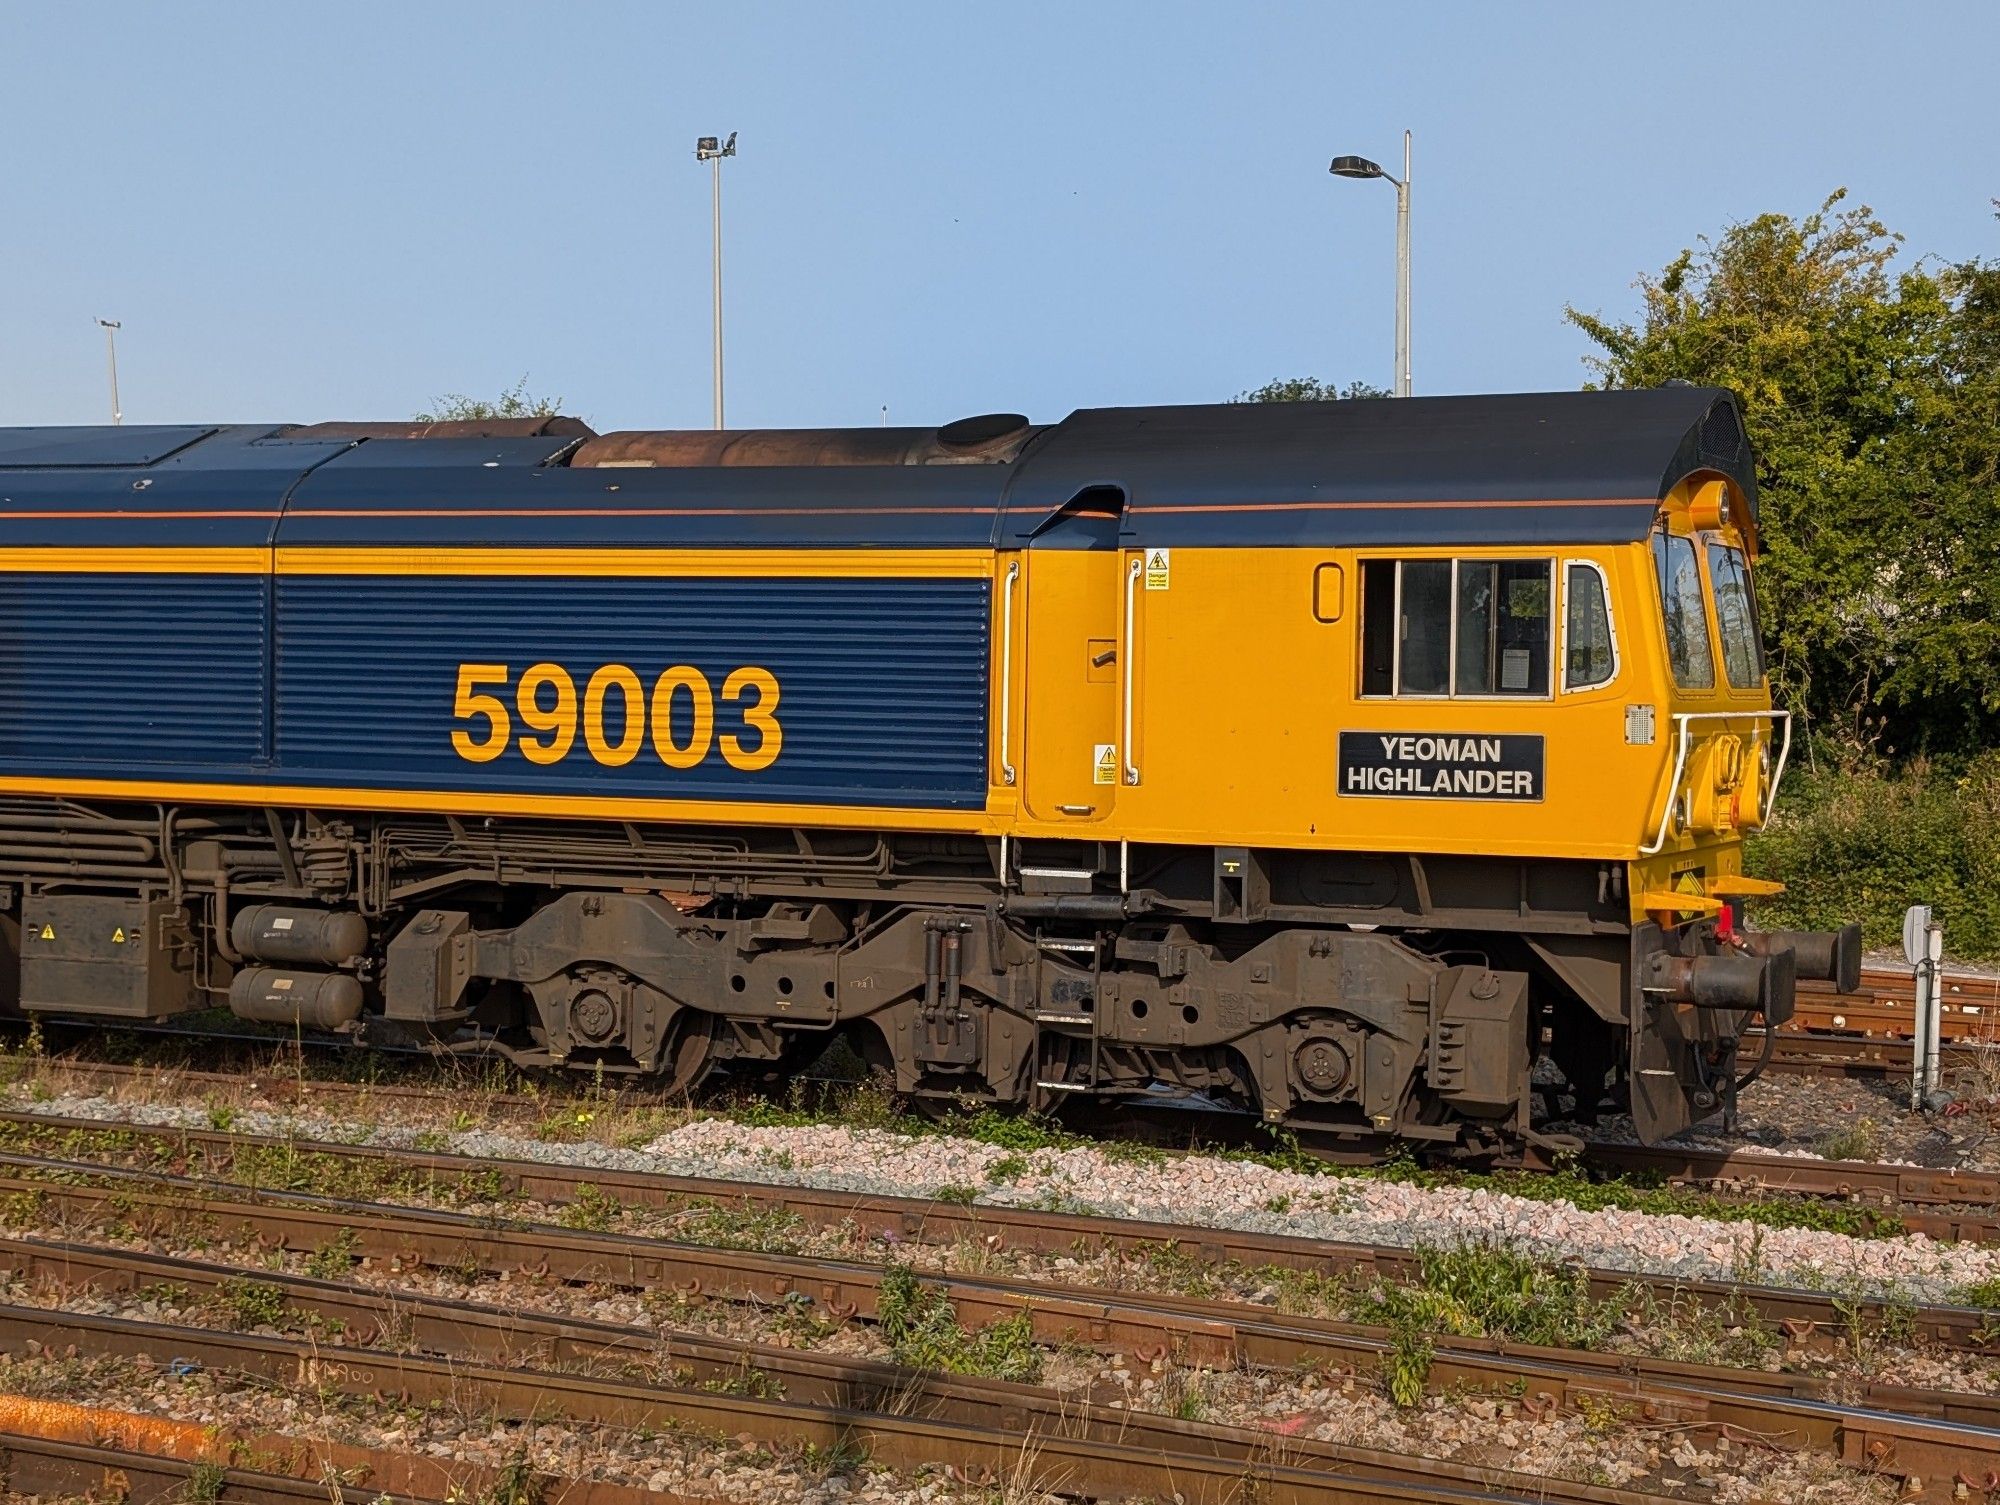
(1187, 1394)
(1860, 1140)
(591, 1210)
(205, 1482)
(282, 1167)
(763, 1230)
(335, 1259)
(516, 1484)
(1981, 1293)
(1489, 1290)
(922, 1329)
(253, 1303)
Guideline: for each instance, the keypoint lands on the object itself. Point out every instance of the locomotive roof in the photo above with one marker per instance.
(1561, 467)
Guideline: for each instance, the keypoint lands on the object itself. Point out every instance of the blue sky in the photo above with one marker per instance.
(312, 211)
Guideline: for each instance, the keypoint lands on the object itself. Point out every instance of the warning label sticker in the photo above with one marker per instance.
(1104, 764)
(48, 932)
(118, 936)
(1159, 568)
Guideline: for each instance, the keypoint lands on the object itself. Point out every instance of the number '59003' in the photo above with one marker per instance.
(546, 703)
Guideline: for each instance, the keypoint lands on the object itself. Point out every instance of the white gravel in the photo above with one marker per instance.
(1195, 1190)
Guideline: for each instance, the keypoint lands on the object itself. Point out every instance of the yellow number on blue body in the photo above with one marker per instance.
(545, 703)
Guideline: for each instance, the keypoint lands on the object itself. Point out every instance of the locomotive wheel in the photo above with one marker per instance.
(690, 1059)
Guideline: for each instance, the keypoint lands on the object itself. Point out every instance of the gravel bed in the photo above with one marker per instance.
(1860, 1118)
(1207, 1191)
(1194, 1190)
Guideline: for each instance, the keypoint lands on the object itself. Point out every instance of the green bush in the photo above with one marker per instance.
(1865, 843)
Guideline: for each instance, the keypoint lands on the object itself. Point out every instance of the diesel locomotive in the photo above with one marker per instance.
(1354, 764)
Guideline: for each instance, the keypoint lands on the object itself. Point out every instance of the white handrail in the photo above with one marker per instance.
(1007, 671)
(1127, 655)
(1682, 722)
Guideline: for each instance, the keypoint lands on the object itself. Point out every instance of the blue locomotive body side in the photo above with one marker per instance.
(116, 676)
(169, 617)
(876, 689)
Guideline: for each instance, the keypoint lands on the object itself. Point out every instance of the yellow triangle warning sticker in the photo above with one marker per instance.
(48, 932)
(1104, 766)
(118, 936)
(1159, 566)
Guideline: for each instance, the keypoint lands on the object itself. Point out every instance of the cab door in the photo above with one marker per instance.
(1072, 649)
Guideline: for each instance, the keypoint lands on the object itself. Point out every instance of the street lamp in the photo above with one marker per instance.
(111, 328)
(1361, 167)
(706, 150)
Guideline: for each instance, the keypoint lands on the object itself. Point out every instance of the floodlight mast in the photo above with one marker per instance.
(1362, 167)
(706, 149)
(111, 328)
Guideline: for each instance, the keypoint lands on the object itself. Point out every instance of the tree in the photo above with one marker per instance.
(1872, 396)
(515, 402)
(1307, 389)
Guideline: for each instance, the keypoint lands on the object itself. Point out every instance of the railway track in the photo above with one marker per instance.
(636, 1374)
(1945, 1204)
(1226, 1334)
(1908, 1432)
(980, 1453)
(1810, 1316)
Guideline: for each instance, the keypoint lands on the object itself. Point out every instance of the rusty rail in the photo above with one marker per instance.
(1804, 1054)
(1792, 1408)
(50, 1466)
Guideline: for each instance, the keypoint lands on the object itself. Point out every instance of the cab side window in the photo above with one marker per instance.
(1456, 627)
(1590, 656)
(1736, 617)
(1682, 606)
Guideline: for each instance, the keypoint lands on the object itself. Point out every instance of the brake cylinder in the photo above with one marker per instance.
(309, 937)
(305, 1000)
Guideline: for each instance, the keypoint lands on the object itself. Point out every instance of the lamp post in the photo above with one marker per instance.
(707, 150)
(111, 328)
(1361, 167)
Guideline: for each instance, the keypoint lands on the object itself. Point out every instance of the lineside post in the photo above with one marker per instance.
(1923, 948)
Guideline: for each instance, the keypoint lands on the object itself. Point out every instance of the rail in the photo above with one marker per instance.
(1683, 721)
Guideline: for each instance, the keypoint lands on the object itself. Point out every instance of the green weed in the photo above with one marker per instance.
(253, 1303)
(923, 1332)
(334, 1260)
(590, 1210)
